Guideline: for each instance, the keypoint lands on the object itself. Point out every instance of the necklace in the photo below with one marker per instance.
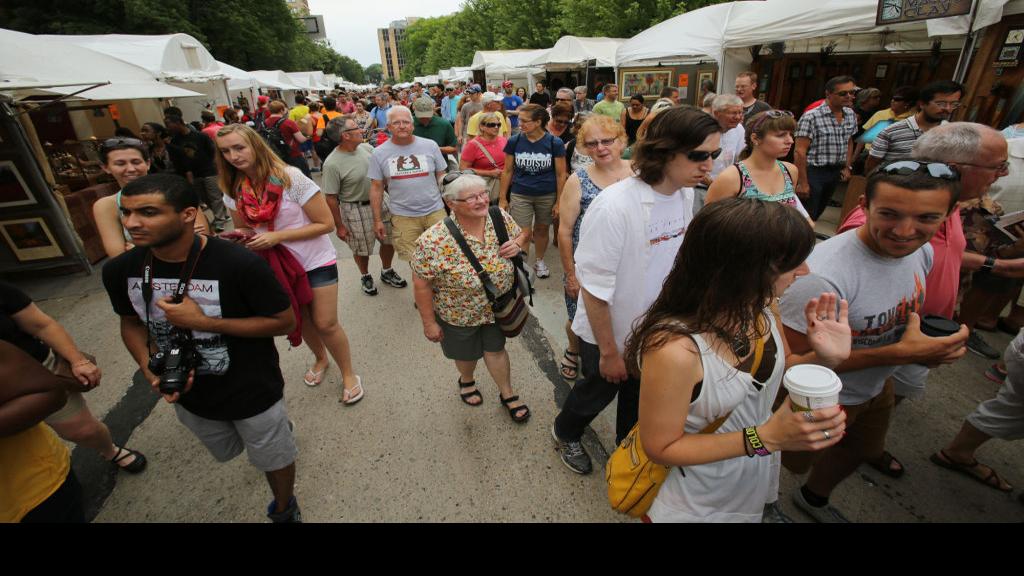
(741, 346)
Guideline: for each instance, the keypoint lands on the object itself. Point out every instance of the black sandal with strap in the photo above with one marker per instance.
(524, 410)
(467, 395)
(570, 368)
(136, 466)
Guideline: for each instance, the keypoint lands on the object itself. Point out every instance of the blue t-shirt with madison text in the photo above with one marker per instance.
(511, 104)
(534, 173)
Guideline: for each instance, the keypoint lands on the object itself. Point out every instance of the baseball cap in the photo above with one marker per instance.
(506, 84)
(423, 107)
(489, 97)
(263, 99)
(474, 89)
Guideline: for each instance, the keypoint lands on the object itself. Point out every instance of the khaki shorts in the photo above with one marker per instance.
(358, 218)
(527, 211)
(406, 229)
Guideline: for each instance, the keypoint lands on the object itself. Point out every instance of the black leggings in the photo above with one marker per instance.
(64, 505)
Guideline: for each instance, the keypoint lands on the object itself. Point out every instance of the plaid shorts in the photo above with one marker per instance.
(358, 218)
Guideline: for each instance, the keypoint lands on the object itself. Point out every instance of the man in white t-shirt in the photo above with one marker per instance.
(628, 244)
(728, 110)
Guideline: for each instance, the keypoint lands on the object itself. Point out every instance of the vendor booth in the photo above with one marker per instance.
(575, 61)
(276, 84)
(497, 66)
(457, 74)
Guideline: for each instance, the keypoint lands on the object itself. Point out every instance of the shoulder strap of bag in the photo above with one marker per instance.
(485, 278)
(501, 231)
(486, 153)
(758, 356)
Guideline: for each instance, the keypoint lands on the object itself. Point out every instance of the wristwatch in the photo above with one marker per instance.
(989, 264)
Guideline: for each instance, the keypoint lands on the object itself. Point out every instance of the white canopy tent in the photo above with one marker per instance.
(177, 59)
(241, 84)
(310, 80)
(724, 32)
(273, 79)
(576, 52)
(456, 74)
(500, 65)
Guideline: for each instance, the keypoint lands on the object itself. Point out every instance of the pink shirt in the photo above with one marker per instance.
(314, 252)
(943, 281)
(478, 160)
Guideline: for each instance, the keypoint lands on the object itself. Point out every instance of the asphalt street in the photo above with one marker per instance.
(411, 451)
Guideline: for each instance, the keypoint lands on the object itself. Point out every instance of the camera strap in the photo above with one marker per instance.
(187, 270)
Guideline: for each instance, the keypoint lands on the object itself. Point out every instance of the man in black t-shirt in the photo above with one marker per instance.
(233, 308)
(193, 155)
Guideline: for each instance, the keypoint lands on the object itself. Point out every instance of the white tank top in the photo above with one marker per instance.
(737, 489)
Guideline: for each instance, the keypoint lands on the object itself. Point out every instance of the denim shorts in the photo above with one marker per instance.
(323, 276)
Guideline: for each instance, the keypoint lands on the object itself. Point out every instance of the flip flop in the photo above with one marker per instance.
(884, 465)
(992, 479)
(312, 378)
(350, 396)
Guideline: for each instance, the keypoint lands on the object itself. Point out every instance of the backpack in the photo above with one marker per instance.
(325, 146)
(274, 137)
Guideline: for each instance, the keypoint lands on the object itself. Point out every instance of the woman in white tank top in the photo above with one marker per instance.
(697, 345)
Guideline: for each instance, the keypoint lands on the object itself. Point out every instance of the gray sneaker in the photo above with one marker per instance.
(824, 515)
(573, 455)
(977, 344)
(773, 514)
(391, 278)
(367, 284)
(290, 515)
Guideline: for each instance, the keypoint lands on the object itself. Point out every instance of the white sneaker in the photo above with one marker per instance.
(541, 269)
(825, 514)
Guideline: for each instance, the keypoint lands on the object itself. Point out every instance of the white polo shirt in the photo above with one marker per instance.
(614, 253)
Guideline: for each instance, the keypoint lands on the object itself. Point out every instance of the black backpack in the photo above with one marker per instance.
(325, 146)
(273, 136)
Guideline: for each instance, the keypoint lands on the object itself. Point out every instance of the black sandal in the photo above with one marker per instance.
(524, 409)
(570, 368)
(467, 395)
(137, 465)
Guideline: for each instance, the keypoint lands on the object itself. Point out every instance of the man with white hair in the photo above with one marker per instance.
(410, 168)
(582, 103)
(728, 110)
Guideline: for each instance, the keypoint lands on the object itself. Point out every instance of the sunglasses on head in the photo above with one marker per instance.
(119, 141)
(770, 114)
(453, 176)
(934, 169)
(703, 155)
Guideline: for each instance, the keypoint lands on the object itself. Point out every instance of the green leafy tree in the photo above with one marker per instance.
(374, 73)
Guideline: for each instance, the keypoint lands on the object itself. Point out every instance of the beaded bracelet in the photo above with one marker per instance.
(755, 441)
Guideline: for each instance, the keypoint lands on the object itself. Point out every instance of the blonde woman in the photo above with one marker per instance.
(277, 204)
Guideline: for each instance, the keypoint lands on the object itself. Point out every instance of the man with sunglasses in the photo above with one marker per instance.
(936, 104)
(824, 145)
(881, 270)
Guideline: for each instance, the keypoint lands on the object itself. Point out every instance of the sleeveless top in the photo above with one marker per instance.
(588, 191)
(632, 126)
(733, 490)
(749, 190)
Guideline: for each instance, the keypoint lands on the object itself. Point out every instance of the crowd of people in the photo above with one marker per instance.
(692, 276)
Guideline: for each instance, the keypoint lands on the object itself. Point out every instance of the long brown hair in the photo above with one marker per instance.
(724, 274)
(266, 162)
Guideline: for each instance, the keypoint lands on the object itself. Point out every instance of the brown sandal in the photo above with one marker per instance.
(992, 479)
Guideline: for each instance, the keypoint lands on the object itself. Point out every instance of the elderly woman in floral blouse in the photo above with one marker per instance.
(450, 297)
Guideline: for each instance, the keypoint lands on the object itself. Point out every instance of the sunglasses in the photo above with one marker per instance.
(844, 93)
(563, 99)
(491, 124)
(115, 142)
(453, 176)
(770, 114)
(702, 155)
(934, 169)
(593, 144)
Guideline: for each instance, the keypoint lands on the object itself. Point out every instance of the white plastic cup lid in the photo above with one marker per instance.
(812, 381)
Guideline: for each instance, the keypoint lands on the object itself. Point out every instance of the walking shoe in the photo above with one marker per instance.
(541, 269)
(995, 374)
(572, 453)
(774, 515)
(391, 278)
(825, 514)
(977, 344)
(368, 287)
(291, 514)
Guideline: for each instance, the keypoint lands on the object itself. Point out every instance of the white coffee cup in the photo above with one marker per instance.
(812, 387)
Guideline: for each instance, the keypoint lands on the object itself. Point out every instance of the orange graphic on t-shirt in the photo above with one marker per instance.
(899, 314)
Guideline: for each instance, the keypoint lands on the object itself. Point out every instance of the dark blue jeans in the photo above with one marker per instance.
(592, 395)
(823, 181)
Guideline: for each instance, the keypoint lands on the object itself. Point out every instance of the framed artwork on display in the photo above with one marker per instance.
(702, 77)
(1015, 36)
(646, 83)
(30, 239)
(1009, 53)
(13, 190)
(881, 71)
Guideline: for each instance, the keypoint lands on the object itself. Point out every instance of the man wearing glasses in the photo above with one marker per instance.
(880, 270)
(824, 145)
(936, 103)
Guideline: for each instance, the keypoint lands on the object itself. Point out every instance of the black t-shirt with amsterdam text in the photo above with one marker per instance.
(238, 377)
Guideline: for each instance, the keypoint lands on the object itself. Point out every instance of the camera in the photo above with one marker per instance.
(174, 364)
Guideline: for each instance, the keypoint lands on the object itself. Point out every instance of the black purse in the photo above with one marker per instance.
(510, 311)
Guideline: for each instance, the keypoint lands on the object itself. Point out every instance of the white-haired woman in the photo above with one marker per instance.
(450, 296)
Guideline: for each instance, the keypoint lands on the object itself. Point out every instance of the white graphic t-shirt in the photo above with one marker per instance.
(410, 175)
(665, 230)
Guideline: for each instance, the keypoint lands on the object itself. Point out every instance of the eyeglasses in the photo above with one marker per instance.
(1003, 168)
(934, 169)
(481, 195)
(560, 121)
(356, 129)
(593, 144)
(945, 105)
(115, 142)
(703, 155)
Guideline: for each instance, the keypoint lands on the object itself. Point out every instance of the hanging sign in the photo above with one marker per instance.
(897, 11)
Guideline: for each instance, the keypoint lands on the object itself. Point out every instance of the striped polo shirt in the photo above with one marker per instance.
(897, 141)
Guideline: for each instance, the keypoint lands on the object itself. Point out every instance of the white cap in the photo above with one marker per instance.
(491, 97)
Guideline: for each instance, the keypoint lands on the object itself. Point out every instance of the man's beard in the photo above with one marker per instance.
(932, 119)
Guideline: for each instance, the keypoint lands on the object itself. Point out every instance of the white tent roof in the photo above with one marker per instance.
(32, 65)
(311, 80)
(457, 73)
(505, 61)
(711, 30)
(177, 57)
(273, 79)
(238, 79)
(573, 51)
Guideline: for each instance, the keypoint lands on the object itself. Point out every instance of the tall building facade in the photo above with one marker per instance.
(390, 41)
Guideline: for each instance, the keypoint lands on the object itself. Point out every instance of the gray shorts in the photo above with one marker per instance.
(910, 379)
(265, 437)
(468, 343)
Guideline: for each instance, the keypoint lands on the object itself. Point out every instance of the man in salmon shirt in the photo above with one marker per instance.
(949, 143)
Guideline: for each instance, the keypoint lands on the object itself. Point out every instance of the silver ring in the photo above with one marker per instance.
(822, 318)
(827, 435)
(808, 416)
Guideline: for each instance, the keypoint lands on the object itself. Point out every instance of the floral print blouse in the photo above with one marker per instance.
(459, 297)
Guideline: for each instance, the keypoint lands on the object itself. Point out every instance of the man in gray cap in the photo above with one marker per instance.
(469, 108)
(433, 127)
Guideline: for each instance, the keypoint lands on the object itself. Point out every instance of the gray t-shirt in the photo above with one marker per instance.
(410, 175)
(345, 174)
(467, 112)
(882, 292)
(757, 107)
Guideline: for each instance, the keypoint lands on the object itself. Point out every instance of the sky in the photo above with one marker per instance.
(352, 25)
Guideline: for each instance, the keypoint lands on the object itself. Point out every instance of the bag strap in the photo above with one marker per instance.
(489, 289)
(758, 356)
(501, 231)
(486, 153)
